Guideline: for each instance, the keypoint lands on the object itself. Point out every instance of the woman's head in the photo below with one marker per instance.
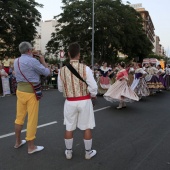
(122, 64)
(105, 64)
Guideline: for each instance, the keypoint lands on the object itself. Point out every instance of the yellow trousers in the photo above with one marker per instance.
(27, 103)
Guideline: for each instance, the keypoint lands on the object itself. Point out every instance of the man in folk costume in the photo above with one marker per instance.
(78, 108)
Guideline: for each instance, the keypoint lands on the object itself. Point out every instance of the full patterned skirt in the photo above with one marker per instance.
(167, 81)
(120, 91)
(103, 84)
(154, 83)
(142, 89)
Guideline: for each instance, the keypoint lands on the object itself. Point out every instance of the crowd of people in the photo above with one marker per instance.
(80, 85)
(127, 83)
(144, 80)
(8, 84)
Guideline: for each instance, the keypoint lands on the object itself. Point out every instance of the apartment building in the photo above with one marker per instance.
(149, 29)
(156, 49)
(44, 31)
(148, 25)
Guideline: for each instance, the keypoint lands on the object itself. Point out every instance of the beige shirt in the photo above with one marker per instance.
(6, 62)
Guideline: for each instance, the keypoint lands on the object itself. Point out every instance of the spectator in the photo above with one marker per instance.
(6, 62)
(5, 81)
(12, 80)
(27, 69)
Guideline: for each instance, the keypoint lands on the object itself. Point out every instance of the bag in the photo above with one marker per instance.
(37, 91)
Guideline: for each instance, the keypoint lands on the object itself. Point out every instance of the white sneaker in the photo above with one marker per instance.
(119, 107)
(68, 154)
(90, 154)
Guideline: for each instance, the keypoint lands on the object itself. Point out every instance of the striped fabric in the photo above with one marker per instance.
(74, 87)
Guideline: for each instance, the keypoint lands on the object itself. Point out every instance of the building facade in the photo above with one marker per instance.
(156, 49)
(149, 29)
(147, 24)
(44, 31)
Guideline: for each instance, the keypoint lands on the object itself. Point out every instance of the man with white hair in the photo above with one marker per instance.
(27, 71)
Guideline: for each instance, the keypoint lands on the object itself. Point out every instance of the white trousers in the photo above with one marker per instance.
(79, 114)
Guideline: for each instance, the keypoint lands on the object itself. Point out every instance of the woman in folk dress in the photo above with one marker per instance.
(103, 80)
(120, 91)
(167, 77)
(161, 74)
(139, 85)
(152, 79)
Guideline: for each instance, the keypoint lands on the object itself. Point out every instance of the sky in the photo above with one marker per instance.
(158, 10)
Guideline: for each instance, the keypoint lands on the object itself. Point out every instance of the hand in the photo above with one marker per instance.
(41, 59)
(94, 98)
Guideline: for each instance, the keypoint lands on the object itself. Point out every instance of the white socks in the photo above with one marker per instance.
(88, 144)
(69, 143)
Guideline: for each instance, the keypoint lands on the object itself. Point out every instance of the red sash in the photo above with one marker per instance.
(79, 98)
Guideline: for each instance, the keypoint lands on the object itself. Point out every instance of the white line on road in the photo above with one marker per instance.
(47, 124)
(102, 108)
(43, 125)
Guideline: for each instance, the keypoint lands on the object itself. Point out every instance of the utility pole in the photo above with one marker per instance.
(92, 58)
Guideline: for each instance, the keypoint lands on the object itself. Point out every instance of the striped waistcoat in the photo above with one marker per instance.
(74, 87)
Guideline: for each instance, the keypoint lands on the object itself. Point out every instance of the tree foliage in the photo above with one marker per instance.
(118, 27)
(18, 20)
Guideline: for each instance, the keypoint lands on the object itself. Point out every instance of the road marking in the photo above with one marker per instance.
(47, 124)
(102, 108)
(24, 130)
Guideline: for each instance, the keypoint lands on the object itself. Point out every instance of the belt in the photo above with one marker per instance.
(79, 98)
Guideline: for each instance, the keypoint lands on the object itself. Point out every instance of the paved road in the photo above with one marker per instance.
(135, 138)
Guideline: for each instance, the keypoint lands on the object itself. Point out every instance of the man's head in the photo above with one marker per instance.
(25, 48)
(6, 57)
(74, 51)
